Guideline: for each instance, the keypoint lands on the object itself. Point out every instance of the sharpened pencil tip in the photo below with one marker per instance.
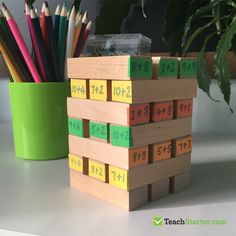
(4, 5)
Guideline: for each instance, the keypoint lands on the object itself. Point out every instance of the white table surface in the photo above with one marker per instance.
(35, 197)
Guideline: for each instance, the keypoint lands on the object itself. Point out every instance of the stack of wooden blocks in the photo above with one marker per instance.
(130, 127)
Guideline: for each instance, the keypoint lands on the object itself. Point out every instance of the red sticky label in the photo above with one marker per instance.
(139, 114)
(162, 111)
(184, 108)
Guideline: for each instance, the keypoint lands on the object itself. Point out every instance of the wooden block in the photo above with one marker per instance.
(78, 163)
(128, 200)
(141, 91)
(183, 108)
(183, 145)
(100, 90)
(141, 135)
(121, 157)
(98, 170)
(99, 131)
(162, 111)
(110, 68)
(168, 67)
(144, 175)
(79, 88)
(179, 182)
(139, 114)
(155, 62)
(118, 177)
(188, 68)
(158, 190)
(109, 112)
(78, 127)
(138, 156)
(161, 151)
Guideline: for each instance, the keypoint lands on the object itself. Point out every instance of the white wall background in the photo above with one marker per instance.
(208, 115)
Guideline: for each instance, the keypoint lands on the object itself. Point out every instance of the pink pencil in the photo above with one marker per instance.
(21, 43)
(35, 44)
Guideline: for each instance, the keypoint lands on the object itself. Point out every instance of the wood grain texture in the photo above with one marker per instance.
(109, 112)
(158, 190)
(108, 68)
(144, 175)
(179, 182)
(129, 200)
(142, 91)
(158, 132)
(104, 152)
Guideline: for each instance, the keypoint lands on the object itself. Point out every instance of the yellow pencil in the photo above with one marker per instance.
(14, 73)
(78, 25)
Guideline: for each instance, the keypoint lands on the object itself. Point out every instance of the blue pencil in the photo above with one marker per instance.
(57, 23)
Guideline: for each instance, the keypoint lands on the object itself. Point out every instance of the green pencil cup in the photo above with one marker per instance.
(39, 117)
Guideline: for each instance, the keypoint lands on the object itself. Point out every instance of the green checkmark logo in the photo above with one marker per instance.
(157, 221)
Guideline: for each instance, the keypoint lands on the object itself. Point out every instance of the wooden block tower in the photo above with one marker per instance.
(130, 127)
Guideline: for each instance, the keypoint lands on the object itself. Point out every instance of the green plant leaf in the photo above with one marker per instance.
(222, 69)
(199, 12)
(143, 11)
(204, 80)
(216, 15)
(195, 34)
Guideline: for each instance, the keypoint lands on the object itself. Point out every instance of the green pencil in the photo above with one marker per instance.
(62, 41)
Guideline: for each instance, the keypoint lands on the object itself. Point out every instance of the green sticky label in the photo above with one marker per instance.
(121, 136)
(188, 68)
(98, 130)
(168, 68)
(76, 127)
(140, 67)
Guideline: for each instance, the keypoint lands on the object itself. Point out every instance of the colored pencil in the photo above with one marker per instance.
(43, 25)
(7, 67)
(37, 53)
(85, 37)
(15, 51)
(76, 5)
(51, 42)
(21, 43)
(78, 25)
(57, 23)
(70, 34)
(83, 27)
(41, 45)
(62, 41)
(8, 58)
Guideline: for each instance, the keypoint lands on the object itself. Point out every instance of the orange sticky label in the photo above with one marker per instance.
(139, 114)
(162, 151)
(138, 156)
(183, 145)
(184, 108)
(162, 111)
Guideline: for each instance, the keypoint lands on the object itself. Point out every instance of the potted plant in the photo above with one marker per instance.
(185, 22)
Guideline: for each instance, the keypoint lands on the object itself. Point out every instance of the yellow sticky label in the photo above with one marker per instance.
(98, 89)
(76, 163)
(122, 91)
(118, 177)
(79, 88)
(97, 170)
